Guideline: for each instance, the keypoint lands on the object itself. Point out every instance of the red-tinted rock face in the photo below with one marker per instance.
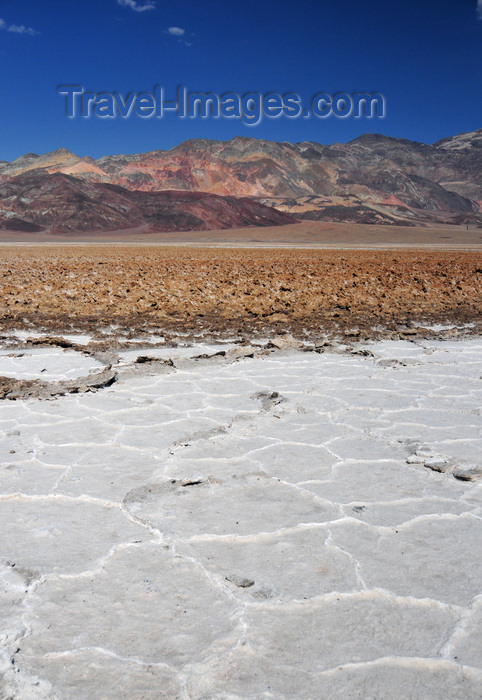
(372, 178)
(63, 203)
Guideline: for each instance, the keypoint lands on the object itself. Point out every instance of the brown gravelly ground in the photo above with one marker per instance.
(236, 291)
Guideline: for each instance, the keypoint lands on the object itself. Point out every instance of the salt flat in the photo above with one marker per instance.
(252, 524)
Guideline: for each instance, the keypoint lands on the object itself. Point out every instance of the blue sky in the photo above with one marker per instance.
(424, 56)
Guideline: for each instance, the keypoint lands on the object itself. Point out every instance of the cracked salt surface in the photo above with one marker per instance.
(48, 364)
(287, 525)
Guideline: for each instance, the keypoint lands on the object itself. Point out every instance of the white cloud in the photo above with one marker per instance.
(134, 5)
(479, 9)
(18, 28)
(179, 34)
(176, 31)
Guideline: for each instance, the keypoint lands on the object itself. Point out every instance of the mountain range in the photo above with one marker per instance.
(204, 184)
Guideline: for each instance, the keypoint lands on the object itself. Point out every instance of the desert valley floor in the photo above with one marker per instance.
(238, 474)
(237, 292)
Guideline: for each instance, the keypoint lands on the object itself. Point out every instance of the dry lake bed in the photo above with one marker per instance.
(235, 522)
